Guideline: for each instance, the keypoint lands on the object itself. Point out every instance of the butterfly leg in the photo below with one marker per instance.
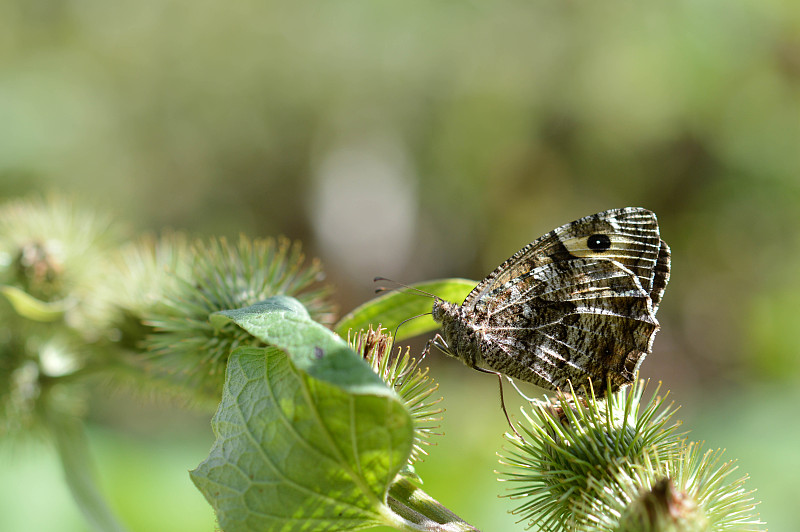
(427, 350)
(502, 400)
(514, 384)
(440, 344)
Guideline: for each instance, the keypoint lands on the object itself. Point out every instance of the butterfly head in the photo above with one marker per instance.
(442, 310)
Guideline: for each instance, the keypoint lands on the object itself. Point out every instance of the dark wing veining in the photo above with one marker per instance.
(660, 275)
(634, 242)
(583, 318)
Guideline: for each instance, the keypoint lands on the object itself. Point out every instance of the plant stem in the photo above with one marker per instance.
(422, 511)
(73, 449)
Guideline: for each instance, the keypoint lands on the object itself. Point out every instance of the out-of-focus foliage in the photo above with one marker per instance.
(427, 139)
(459, 130)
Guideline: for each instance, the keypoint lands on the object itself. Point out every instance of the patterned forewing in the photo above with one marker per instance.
(634, 243)
(583, 318)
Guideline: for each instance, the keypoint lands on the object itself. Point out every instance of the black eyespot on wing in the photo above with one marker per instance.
(598, 242)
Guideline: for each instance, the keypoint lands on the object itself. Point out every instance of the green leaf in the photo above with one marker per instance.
(310, 441)
(29, 307)
(282, 321)
(298, 453)
(393, 307)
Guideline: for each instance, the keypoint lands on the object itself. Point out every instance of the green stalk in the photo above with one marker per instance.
(73, 449)
(425, 513)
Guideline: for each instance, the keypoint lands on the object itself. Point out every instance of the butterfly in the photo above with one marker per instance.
(575, 305)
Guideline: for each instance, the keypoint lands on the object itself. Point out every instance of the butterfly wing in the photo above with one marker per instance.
(577, 319)
(629, 236)
(660, 275)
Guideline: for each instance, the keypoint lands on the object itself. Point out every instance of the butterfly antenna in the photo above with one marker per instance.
(406, 320)
(413, 289)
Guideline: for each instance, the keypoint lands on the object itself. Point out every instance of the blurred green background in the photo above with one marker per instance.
(429, 139)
